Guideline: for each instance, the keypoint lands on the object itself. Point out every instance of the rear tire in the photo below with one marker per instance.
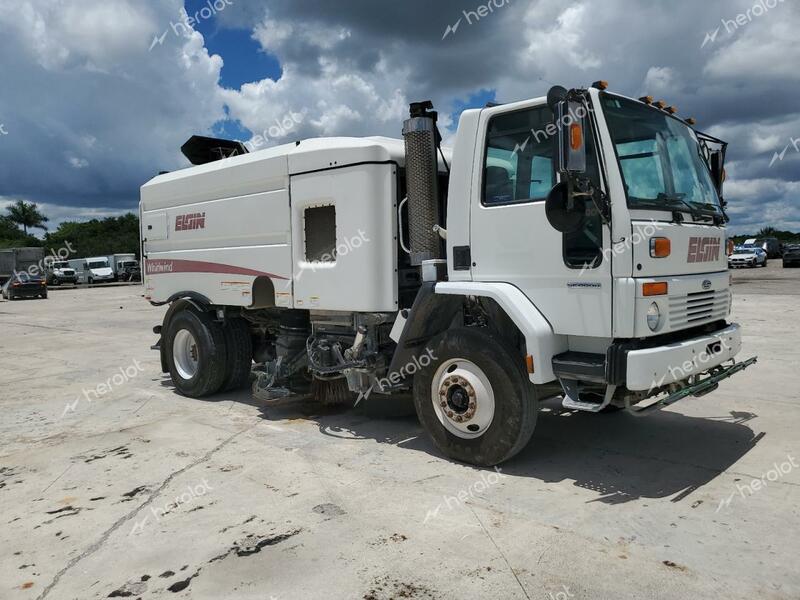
(239, 346)
(481, 380)
(195, 353)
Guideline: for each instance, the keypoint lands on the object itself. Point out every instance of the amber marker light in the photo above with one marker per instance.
(660, 247)
(575, 136)
(655, 289)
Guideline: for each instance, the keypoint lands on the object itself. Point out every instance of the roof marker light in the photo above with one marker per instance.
(646, 99)
(600, 85)
(660, 104)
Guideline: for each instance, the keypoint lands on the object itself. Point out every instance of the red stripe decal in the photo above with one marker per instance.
(160, 266)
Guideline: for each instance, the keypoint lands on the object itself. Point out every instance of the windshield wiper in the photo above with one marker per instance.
(693, 210)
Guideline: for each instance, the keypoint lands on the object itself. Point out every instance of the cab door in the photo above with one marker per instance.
(566, 276)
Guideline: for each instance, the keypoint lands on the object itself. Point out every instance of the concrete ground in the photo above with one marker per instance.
(112, 485)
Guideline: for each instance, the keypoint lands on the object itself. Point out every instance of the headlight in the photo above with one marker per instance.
(653, 317)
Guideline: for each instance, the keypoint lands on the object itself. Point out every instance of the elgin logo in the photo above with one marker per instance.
(703, 249)
(190, 221)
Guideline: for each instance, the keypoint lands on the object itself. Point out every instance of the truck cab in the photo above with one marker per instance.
(644, 264)
(59, 271)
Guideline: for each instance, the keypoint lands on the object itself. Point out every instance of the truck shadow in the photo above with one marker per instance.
(624, 457)
(621, 457)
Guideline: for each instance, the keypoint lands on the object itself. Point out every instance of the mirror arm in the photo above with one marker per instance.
(584, 187)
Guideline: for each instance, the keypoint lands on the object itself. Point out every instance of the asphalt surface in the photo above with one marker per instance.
(112, 485)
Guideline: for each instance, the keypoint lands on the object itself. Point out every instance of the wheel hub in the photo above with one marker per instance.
(185, 354)
(463, 398)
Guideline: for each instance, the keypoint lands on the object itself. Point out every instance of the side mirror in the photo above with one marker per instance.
(717, 166)
(565, 212)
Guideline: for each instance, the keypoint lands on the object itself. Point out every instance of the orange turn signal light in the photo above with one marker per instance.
(575, 136)
(529, 363)
(655, 289)
(660, 104)
(660, 247)
(646, 99)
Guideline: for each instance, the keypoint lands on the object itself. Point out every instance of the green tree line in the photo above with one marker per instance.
(98, 237)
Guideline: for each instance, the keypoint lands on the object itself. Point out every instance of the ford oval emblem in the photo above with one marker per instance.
(707, 284)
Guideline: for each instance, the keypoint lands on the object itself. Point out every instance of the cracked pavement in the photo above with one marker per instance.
(138, 492)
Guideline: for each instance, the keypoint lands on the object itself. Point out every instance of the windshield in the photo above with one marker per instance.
(660, 159)
(98, 265)
(60, 265)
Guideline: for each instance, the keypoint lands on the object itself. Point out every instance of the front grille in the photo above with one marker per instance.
(698, 308)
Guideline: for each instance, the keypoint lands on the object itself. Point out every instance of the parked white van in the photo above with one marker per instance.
(93, 270)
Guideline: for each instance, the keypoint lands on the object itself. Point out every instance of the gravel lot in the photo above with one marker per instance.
(112, 485)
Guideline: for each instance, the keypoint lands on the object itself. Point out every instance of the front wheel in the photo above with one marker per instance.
(474, 399)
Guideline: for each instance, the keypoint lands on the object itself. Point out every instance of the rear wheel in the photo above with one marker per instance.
(239, 346)
(195, 354)
(475, 399)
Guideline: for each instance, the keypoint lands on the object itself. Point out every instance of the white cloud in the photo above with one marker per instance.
(92, 113)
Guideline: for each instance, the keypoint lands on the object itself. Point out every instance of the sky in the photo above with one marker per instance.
(97, 96)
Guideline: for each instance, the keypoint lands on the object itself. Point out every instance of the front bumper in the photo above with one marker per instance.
(657, 366)
(742, 262)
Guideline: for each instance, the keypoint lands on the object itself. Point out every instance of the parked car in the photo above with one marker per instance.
(23, 285)
(791, 255)
(748, 256)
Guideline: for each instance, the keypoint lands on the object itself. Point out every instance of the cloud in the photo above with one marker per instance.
(92, 112)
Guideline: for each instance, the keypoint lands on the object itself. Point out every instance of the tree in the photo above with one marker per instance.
(768, 231)
(98, 237)
(11, 236)
(27, 214)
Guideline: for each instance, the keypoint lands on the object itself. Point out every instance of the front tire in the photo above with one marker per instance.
(474, 399)
(195, 353)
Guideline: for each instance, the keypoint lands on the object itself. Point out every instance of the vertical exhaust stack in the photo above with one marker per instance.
(422, 185)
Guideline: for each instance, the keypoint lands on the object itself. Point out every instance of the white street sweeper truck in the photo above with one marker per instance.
(569, 246)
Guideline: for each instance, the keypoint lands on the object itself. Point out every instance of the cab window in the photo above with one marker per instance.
(519, 158)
